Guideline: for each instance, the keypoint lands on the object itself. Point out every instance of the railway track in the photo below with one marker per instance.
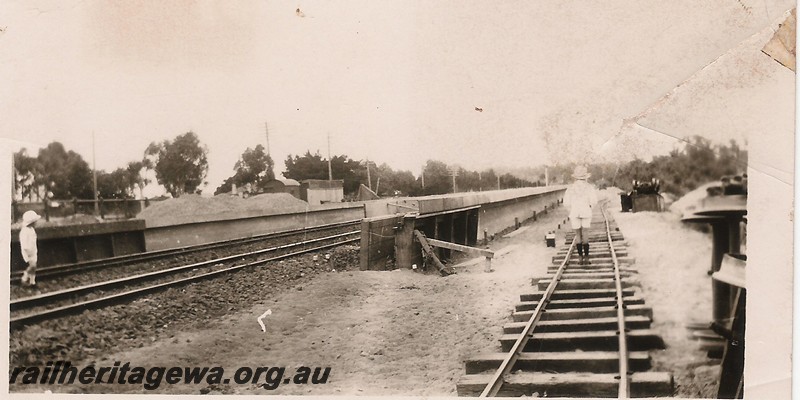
(62, 270)
(585, 331)
(73, 300)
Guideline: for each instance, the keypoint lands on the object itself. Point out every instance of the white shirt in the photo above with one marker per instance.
(27, 242)
(580, 198)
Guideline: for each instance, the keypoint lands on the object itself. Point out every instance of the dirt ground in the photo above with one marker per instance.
(672, 260)
(408, 333)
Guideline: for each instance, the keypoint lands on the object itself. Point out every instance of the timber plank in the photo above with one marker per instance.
(591, 236)
(576, 294)
(574, 325)
(569, 274)
(586, 361)
(423, 241)
(595, 251)
(592, 268)
(587, 283)
(643, 384)
(639, 339)
(592, 256)
(598, 240)
(580, 313)
(575, 303)
(598, 260)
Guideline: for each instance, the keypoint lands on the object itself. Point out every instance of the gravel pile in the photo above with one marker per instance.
(194, 208)
(86, 337)
(345, 257)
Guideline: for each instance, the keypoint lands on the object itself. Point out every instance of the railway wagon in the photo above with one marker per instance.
(645, 196)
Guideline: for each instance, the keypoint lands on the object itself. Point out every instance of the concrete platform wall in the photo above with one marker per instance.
(459, 218)
(390, 206)
(452, 201)
(74, 243)
(498, 216)
(167, 237)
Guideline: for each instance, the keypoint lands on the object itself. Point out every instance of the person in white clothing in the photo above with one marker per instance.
(581, 197)
(27, 242)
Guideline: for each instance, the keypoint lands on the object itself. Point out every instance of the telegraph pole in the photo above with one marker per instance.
(266, 126)
(369, 180)
(546, 177)
(330, 173)
(14, 178)
(94, 178)
(454, 174)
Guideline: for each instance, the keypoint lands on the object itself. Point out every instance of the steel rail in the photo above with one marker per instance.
(494, 385)
(44, 298)
(20, 321)
(624, 376)
(68, 269)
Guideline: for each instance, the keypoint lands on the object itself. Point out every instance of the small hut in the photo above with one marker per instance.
(318, 191)
(290, 186)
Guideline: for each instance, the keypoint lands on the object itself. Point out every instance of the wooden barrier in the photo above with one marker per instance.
(378, 242)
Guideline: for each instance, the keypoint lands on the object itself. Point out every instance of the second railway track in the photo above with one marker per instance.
(585, 331)
(59, 275)
(57, 303)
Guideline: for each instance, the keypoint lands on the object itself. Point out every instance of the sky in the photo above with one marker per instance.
(395, 82)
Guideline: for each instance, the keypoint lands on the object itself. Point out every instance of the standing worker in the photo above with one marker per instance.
(27, 242)
(581, 198)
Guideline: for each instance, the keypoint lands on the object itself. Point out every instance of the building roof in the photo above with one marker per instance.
(289, 182)
(281, 183)
(323, 184)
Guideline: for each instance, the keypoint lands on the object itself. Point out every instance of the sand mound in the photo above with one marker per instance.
(195, 208)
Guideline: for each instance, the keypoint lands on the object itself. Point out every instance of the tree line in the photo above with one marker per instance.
(698, 161)
(436, 176)
(181, 166)
(685, 168)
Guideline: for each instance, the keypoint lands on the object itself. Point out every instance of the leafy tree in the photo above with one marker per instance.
(437, 178)
(115, 185)
(387, 182)
(488, 180)
(64, 173)
(313, 166)
(254, 167)
(180, 164)
(26, 175)
(683, 170)
(347, 169)
(136, 176)
(308, 166)
(468, 181)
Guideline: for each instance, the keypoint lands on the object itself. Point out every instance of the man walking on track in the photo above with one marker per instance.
(27, 242)
(581, 197)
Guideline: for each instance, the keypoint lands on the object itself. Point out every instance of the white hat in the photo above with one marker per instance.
(29, 217)
(581, 172)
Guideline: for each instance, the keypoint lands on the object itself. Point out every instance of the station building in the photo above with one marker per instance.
(318, 191)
